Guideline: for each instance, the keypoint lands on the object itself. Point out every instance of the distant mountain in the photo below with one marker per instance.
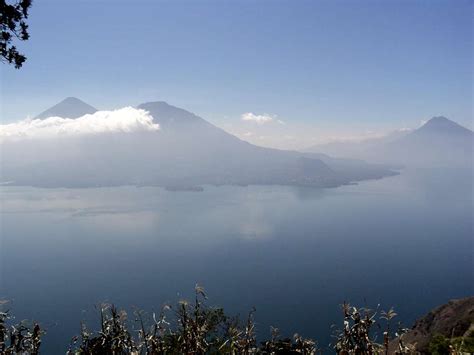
(70, 107)
(439, 142)
(187, 151)
(441, 126)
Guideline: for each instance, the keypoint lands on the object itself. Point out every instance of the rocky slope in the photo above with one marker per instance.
(451, 320)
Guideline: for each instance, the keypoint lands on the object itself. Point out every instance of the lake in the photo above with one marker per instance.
(294, 253)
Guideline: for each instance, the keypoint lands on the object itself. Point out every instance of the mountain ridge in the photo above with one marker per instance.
(186, 151)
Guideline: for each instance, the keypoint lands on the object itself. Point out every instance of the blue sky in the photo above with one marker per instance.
(332, 65)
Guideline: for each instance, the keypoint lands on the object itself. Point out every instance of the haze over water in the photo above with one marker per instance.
(402, 241)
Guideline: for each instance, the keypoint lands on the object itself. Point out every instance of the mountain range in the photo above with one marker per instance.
(186, 151)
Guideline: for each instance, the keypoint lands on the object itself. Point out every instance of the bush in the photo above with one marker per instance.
(22, 338)
(187, 328)
(195, 328)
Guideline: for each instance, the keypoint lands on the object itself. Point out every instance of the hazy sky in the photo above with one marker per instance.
(330, 66)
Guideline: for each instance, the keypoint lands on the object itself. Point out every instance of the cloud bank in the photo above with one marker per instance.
(259, 119)
(124, 120)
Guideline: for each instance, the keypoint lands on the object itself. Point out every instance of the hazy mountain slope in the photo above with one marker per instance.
(194, 147)
(223, 147)
(186, 151)
(355, 169)
(70, 107)
(356, 149)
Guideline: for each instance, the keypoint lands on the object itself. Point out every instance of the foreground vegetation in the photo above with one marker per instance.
(195, 328)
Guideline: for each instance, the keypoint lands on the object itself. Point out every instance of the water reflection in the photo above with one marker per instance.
(294, 253)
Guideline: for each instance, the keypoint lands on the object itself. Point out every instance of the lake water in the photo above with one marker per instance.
(293, 253)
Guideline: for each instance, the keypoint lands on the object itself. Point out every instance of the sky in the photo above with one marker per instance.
(278, 73)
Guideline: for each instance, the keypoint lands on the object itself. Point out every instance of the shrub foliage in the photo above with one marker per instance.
(196, 328)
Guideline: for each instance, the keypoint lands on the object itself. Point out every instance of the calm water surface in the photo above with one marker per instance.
(293, 253)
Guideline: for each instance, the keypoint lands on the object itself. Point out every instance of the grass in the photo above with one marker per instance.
(440, 344)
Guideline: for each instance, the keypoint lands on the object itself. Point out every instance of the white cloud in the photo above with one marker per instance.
(259, 119)
(124, 120)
